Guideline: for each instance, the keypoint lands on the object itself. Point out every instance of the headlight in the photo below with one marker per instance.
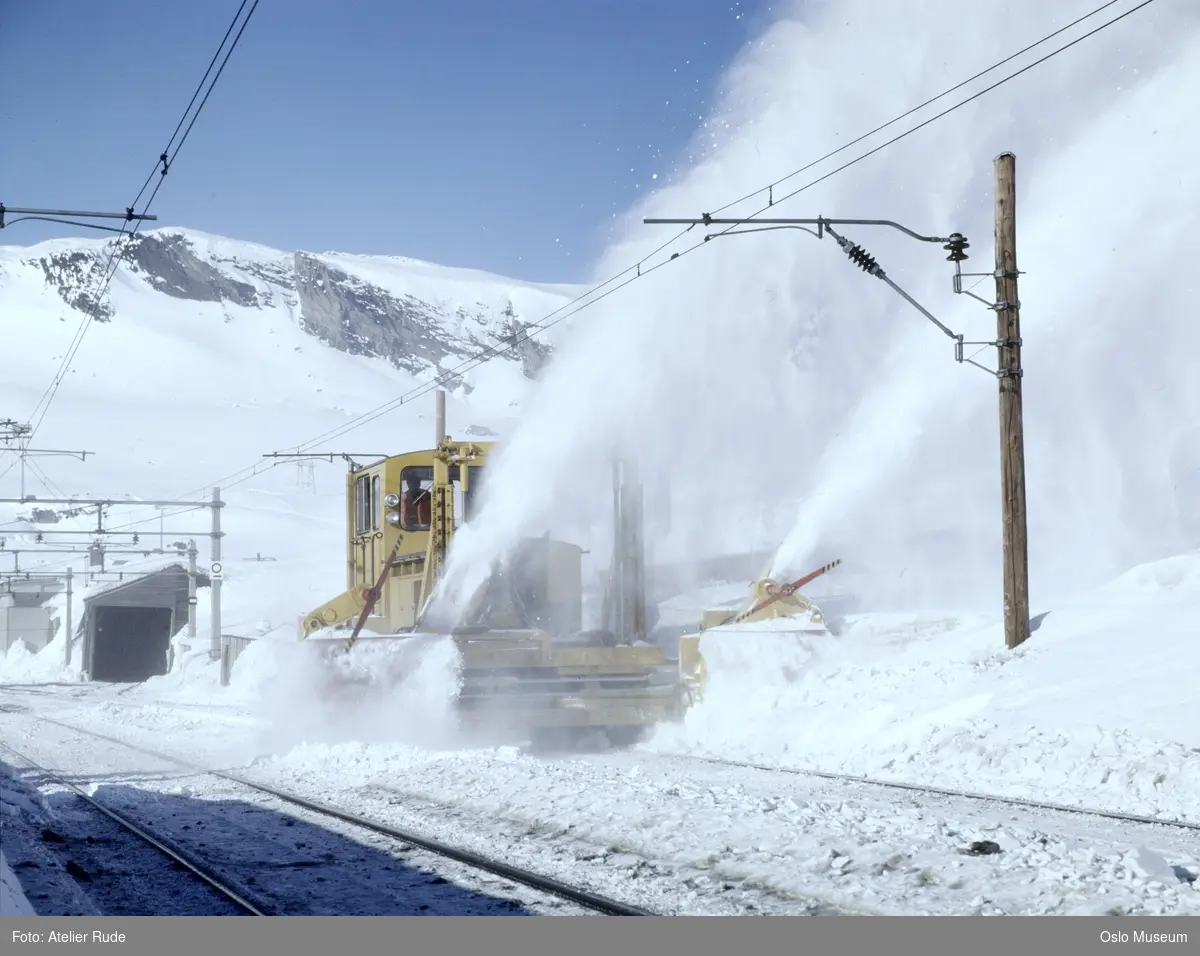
(392, 501)
(393, 518)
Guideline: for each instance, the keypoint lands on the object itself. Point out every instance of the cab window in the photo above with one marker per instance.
(362, 504)
(416, 483)
(474, 492)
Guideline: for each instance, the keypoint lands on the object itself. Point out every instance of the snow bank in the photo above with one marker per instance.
(1098, 708)
(20, 664)
(194, 677)
(13, 901)
(12, 898)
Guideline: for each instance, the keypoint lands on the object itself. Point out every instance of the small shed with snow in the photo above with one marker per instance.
(127, 628)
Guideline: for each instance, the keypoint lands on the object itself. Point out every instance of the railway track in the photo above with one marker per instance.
(934, 833)
(795, 771)
(990, 798)
(590, 901)
(198, 868)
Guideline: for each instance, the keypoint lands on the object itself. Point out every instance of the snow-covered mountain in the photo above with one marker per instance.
(416, 315)
(207, 353)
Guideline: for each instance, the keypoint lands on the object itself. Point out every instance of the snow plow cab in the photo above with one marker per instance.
(528, 671)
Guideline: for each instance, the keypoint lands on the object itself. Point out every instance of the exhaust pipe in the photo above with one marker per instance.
(628, 575)
(440, 418)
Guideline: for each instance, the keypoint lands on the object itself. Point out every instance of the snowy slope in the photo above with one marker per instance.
(217, 351)
(410, 312)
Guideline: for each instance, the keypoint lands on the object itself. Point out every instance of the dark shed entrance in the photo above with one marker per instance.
(127, 629)
(130, 644)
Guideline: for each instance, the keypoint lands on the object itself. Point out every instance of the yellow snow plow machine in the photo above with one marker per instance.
(527, 670)
(778, 611)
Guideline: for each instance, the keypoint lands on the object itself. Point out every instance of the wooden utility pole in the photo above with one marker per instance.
(1012, 437)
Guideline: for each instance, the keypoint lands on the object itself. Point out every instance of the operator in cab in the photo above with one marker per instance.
(414, 510)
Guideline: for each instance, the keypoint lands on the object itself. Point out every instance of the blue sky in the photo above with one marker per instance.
(495, 134)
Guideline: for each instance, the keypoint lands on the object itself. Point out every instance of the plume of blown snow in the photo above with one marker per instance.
(381, 692)
(783, 398)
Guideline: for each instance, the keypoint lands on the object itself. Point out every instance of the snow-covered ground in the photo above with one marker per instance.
(630, 824)
(1087, 713)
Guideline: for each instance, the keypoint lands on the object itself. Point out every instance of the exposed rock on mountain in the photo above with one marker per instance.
(417, 316)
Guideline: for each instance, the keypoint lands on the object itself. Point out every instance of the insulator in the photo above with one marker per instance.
(957, 247)
(861, 258)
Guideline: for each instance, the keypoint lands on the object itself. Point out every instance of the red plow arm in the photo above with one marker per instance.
(779, 592)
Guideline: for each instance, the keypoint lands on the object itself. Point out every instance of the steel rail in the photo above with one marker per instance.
(582, 897)
(196, 867)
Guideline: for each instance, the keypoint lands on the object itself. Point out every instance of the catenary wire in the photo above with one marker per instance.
(122, 242)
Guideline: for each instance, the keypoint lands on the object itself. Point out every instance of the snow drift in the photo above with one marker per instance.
(1098, 708)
